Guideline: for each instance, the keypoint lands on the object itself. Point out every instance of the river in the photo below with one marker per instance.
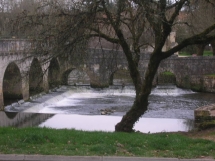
(80, 107)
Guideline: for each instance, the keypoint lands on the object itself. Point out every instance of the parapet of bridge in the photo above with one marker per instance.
(15, 45)
(205, 116)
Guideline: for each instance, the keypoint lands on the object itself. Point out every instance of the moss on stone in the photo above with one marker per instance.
(210, 75)
(196, 87)
(206, 125)
(166, 77)
(167, 73)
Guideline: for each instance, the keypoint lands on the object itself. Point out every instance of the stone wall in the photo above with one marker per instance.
(209, 84)
(205, 117)
(15, 45)
(191, 72)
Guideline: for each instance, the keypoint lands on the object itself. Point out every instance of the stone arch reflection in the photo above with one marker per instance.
(11, 115)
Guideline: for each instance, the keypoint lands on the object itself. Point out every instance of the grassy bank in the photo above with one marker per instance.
(70, 142)
(211, 75)
(205, 53)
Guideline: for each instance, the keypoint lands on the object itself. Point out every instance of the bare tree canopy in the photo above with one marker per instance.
(131, 24)
(194, 18)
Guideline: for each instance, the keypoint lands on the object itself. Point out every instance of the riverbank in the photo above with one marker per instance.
(43, 141)
(207, 134)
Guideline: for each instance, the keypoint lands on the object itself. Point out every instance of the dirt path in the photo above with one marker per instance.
(208, 134)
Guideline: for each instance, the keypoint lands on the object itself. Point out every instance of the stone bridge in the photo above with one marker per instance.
(23, 74)
(196, 73)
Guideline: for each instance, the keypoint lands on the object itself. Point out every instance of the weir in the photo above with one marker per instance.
(165, 101)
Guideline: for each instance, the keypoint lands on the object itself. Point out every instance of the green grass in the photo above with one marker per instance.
(211, 75)
(208, 53)
(167, 73)
(184, 54)
(79, 143)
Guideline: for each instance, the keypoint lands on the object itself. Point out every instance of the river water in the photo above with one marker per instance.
(80, 107)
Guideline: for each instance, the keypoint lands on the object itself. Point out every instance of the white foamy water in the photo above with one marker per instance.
(170, 90)
(164, 102)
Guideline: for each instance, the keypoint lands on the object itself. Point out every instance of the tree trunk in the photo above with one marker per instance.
(140, 104)
(132, 116)
(213, 46)
(200, 49)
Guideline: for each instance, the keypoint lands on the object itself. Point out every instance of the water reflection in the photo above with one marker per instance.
(11, 115)
(10, 119)
(107, 123)
(90, 122)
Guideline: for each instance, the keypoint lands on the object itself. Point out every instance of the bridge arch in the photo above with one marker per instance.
(65, 75)
(54, 73)
(166, 76)
(12, 84)
(78, 76)
(120, 77)
(35, 77)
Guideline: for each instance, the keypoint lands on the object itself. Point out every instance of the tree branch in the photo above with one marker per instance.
(178, 7)
(196, 39)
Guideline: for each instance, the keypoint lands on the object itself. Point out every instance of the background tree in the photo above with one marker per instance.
(53, 26)
(198, 15)
(6, 8)
(132, 24)
(9, 9)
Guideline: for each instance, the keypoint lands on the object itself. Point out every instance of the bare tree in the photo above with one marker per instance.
(132, 24)
(198, 15)
(9, 9)
(5, 17)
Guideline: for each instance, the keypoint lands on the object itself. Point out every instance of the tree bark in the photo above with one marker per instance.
(132, 116)
(200, 49)
(213, 46)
